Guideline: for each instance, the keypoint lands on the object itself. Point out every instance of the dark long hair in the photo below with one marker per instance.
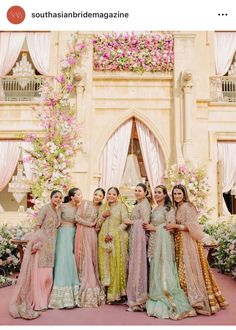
(102, 191)
(167, 200)
(185, 193)
(144, 187)
(116, 189)
(71, 193)
(54, 192)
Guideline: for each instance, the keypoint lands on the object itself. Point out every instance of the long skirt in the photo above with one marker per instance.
(137, 279)
(65, 282)
(113, 262)
(166, 298)
(91, 293)
(196, 277)
(34, 283)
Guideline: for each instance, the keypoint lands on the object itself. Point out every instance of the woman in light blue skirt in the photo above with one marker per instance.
(65, 280)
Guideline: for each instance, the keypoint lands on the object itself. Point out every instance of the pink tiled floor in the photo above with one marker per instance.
(117, 315)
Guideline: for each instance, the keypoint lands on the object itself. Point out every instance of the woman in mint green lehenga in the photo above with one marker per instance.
(166, 298)
(65, 289)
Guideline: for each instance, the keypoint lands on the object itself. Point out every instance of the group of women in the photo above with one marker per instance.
(87, 253)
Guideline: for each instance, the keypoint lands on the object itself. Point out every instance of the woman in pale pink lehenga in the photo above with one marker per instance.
(91, 293)
(35, 279)
(137, 278)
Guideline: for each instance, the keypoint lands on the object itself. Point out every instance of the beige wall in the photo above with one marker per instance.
(105, 100)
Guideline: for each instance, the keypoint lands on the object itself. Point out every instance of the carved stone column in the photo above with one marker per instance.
(187, 85)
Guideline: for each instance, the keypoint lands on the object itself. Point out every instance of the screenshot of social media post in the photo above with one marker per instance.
(117, 164)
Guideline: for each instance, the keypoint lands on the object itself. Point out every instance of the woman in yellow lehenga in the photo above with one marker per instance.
(195, 275)
(113, 247)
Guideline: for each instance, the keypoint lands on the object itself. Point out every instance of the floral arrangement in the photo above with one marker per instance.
(196, 182)
(133, 52)
(9, 255)
(52, 154)
(224, 257)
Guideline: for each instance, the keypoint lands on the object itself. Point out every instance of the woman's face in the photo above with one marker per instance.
(178, 195)
(56, 199)
(159, 195)
(98, 197)
(139, 193)
(77, 198)
(112, 196)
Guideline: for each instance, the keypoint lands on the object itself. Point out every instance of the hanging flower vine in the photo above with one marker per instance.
(52, 154)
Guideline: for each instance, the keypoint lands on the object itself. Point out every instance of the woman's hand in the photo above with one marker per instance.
(97, 227)
(106, 214)
(149, 227)
(108, 238)
(128, 222)
(171, 226)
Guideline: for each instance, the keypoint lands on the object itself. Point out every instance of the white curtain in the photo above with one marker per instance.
(227, 156)
(152, 155)
(27, 146)
(225, 47)
(39, 48)
(9, 156)
(112, 161)
(10, 47)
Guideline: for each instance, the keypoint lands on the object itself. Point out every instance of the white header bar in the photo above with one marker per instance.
(121, 15)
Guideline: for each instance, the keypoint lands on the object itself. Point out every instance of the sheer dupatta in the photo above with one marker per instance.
(21, 303)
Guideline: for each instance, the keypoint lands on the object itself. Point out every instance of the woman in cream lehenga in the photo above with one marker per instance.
(34, 284)
(91, 293)
(195, 275)
(166, 298)
(113, 247)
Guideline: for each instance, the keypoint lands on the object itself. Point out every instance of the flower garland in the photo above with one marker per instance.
(196, 182)
(52, 155)
(133, 52)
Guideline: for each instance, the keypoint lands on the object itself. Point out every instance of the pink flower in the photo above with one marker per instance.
(69, 87)
(60, 78)
(80, 46)
(71, 60)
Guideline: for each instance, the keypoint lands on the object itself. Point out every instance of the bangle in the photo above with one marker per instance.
(181, 227)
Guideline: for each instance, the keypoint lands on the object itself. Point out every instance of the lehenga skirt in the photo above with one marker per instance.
(66, 282)
(214, 299)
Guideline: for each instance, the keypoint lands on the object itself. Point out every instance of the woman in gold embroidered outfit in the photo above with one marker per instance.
(36, 275)
(91, 293)
(113, 246)
(195, 275)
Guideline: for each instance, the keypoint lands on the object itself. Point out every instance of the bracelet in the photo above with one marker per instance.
(181, 227)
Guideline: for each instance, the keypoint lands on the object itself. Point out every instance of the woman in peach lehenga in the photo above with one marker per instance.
(36, 276)
(91, 293)
(195, 275)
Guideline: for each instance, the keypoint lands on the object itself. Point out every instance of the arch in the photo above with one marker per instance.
(122, 119)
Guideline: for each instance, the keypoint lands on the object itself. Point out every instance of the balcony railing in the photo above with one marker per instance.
(21, 88)
(223, 89)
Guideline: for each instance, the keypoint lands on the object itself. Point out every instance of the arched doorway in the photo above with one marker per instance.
(132, 137)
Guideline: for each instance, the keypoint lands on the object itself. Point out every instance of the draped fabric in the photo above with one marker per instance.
(227, 157)
(166, 298)
(9, 156)
(152, 155)
(10, 46)
(39, 48)
(225, 47)
(112, 161)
